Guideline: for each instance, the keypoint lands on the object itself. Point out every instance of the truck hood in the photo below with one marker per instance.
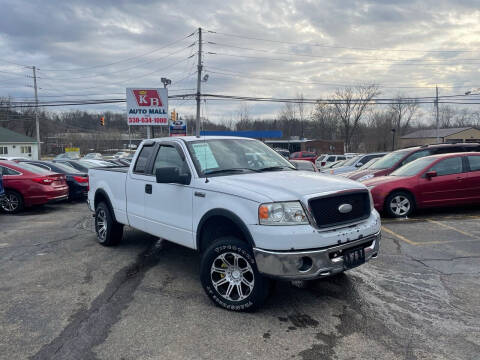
(282, 185)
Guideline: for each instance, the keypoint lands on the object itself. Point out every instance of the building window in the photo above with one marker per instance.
(3, 150)
(26, 149)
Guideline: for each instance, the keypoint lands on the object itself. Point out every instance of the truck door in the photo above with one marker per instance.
(168, 207)
(136, 183)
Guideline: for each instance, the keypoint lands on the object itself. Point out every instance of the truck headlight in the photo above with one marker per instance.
(282, 213)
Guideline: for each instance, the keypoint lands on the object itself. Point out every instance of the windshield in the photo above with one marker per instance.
(389, 160)
(351, 161)
(224, 155)
(413, 168)
(369, 163)
(32, 168)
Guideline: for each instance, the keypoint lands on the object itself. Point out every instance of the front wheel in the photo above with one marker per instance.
(109, 232)
(230, 276)
(399, 204)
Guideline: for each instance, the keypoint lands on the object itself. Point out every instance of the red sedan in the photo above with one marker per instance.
(304, 155)
(28, 185)
(438, 180)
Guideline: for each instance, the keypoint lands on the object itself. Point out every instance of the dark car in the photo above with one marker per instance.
(396, 159)
(27, 185)
(77, 181)
(304, 165)
(430, 181)
(84, 165)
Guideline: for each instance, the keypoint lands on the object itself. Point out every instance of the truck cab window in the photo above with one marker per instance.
(168, 156)
(142, 160)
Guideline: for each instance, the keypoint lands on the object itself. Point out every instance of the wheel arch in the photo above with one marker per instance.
(215, 221)
(409, 192)
(101, 195)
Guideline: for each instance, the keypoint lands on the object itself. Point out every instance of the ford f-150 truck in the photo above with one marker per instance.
(250, 214)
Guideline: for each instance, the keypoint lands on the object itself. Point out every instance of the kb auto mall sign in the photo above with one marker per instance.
(147, 106)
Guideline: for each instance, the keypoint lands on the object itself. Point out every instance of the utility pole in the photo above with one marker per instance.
(37, 124)
(436, 116)
(199, 82)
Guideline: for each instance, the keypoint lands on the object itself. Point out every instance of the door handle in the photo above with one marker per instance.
(148, 188)
(199, 194)
(459, 178)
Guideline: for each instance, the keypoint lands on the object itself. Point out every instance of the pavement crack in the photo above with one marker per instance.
(90, 327)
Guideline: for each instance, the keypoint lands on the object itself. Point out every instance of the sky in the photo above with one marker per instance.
(274, 48)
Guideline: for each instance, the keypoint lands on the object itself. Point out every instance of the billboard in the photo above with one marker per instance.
(147, 106)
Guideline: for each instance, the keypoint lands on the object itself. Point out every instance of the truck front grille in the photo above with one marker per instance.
(326, 210)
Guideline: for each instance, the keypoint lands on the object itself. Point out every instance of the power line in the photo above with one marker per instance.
(126, 59)
(412, 61)
(267, 78)
(340, 47)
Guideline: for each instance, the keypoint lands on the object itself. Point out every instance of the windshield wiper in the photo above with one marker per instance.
(227, 170)
(273, 168)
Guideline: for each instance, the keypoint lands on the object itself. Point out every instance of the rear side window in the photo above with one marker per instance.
(331, 158)
(340, 157)
(308, 154)
(41, 166)
(474, 162)
(142, 160)
(448, 149)
(448, 166)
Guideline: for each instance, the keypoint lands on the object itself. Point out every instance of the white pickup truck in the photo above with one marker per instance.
(250, 214)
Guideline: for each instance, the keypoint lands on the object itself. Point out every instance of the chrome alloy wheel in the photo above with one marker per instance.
(232, 276)
(101, 224)
(9, 202)
(400, 205)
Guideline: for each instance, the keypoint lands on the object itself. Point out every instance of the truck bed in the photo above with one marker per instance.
(122, 169)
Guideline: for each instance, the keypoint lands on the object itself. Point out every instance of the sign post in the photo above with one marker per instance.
(147, 106)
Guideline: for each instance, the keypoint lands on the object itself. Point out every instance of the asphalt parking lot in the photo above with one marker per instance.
(64, 296)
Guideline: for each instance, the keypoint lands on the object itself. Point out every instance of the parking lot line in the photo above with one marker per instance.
(398, 236)
(454, 229)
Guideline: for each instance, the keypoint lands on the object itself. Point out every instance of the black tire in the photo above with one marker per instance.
(109, 232)
(392, 204)
(250, 297)
(11, 202)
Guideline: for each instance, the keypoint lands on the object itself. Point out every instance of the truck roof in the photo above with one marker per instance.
(194, 138)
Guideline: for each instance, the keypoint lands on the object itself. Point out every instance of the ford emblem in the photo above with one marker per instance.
(345, 208)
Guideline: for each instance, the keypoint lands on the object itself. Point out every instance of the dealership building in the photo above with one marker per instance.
(449, 135)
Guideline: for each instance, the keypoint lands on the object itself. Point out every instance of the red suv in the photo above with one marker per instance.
(28, 185)
(438, 180)
(304, 155)
(395, 159)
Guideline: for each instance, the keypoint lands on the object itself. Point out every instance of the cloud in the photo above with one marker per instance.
(101, 47)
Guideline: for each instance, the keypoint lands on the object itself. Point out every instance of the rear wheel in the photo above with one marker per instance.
(109, 232)
(399, 204)
(230, 276)
(11, 202)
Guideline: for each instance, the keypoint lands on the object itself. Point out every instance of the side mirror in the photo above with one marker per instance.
(171, 175)
(430, 174)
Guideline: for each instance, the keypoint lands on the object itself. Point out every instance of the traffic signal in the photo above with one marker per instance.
(173, 115)
(102, 121)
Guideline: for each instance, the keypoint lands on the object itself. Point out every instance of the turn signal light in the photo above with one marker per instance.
(263, 212)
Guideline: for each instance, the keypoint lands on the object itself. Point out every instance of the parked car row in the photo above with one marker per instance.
(36, 182)
(407, 179)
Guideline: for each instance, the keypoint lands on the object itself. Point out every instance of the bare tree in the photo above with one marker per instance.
(352, 104)
(402, 111)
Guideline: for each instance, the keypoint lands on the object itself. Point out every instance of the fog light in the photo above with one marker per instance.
(304, 264)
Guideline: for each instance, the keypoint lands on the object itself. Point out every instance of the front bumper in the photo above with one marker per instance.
(324, 262)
